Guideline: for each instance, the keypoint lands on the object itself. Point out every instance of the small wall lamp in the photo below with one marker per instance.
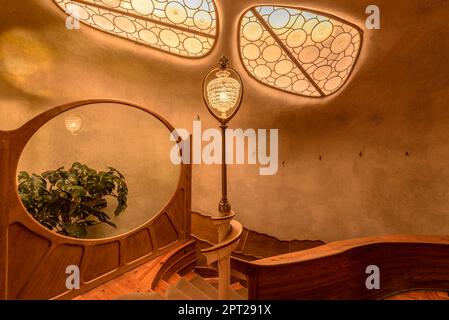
(73, 123)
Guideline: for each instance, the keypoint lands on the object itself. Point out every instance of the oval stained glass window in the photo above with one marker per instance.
(182, 27)
(302, 52)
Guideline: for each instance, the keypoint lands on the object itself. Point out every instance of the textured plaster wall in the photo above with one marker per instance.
(396, 102)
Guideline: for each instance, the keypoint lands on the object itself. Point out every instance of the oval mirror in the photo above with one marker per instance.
(98, 171)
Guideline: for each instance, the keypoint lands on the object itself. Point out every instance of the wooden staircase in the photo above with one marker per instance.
(180, 275)
(191, 286)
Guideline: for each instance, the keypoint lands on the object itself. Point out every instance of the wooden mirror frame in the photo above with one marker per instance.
(33, 259)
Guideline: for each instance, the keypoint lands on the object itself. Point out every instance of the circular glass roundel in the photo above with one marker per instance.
(98, 171)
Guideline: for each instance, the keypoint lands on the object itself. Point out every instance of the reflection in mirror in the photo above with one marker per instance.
(98, 171)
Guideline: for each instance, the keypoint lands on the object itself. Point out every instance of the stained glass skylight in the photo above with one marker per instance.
(182, 27)
(297, 51)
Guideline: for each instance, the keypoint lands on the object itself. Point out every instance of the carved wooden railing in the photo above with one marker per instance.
(224, 233)
(181, 260)
(338, 270)
(221, 253)
(252, 246)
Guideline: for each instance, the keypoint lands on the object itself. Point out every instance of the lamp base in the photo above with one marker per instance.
(224, 207)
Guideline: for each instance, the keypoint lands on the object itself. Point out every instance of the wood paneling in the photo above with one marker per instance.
(138, 245)
(421, 295)
(263, 246)
(49, 279)
(100, 259)
(163, 231)
(23, 246)
(175, 212)
(338, 270)
(33, 259)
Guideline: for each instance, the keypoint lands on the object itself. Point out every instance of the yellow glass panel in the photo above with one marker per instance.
(176, 12)
(144, 7)
(251, 51)
(283, 67)
(193, 45)
(253, 31)
(272, 53)
(181, 27)
(203, 20)
(296, 38)
(301, 52)
(262, 71)
(322, 31)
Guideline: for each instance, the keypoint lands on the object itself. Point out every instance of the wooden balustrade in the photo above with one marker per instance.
(224, 235)
(180, 260)
(222, 251)
(338, 270)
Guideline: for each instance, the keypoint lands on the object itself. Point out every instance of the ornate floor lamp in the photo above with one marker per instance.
(223, 93)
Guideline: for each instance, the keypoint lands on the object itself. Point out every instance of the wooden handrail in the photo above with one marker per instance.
(176, 260)
(229, 232)
(229, 217)
(345, 245)
(338, 270)
(229, 242)
(253, 245)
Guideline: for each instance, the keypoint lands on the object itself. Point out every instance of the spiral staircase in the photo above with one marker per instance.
(190, 286)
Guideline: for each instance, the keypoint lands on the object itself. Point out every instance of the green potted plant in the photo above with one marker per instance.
(68, 201)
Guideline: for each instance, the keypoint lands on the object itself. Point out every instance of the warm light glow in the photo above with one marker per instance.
(73, 124)
(24, 57)
(223, 92)
(182, 27)
(299, 52)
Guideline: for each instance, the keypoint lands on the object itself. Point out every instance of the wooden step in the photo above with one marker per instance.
(204, 286)
(236, 286)
(190, 290)
(141, 296)
(190, 275)
(174, 279)
(243, 292)
(233, 295)
(162, 287)
(174, 294)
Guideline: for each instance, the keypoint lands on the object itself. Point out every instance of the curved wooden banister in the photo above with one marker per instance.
(338, 270)
(228, 217)
(225, 234)
(253, 245)
(176, 260)
(345, 245)
(225, 247)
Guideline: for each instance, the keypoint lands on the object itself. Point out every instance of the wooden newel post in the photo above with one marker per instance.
(224, 277)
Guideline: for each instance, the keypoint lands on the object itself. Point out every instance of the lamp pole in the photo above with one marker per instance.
(224, 206)
(222, 93)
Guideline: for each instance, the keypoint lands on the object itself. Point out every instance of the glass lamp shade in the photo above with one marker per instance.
(73, 124)
(222, 90)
